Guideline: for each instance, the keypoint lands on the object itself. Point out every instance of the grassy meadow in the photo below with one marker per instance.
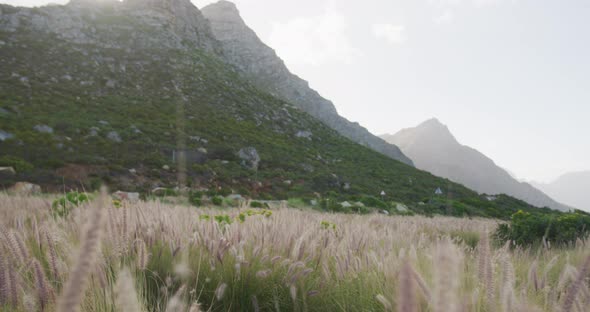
(152, 256)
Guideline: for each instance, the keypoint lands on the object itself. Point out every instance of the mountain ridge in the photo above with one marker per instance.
(245, 50)
(433, 148)
(571, 188)
(111, 93)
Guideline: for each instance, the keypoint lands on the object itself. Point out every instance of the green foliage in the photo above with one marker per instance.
(296, 203)
(167, 192)
(470, 238)
(372, 201)
(194, 198)
(328, 225)
(217, 200)
(532, 228)
(19, 164)
(62, 206)
(223, 219)
(257, 204)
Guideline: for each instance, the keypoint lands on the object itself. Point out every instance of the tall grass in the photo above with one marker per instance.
(150, 256)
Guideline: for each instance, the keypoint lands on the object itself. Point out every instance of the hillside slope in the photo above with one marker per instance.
(243, 49)
(113, 91)
(433, 148)
(571, 188)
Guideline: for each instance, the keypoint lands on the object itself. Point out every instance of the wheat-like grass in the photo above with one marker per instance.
(406, 294)
(126, 296)
(445, 278)
(3, 278)
(576, 286)
(285, 262)
(43, 289)
(75, 287)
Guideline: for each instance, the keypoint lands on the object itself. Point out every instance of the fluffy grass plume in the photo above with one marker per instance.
(178, 258)
(75, 287)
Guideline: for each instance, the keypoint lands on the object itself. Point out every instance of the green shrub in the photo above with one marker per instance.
(257, 204)
(527, 228)
(62, 206)
(194, 198)
(19, 164)
(217, 200)
(296, 203)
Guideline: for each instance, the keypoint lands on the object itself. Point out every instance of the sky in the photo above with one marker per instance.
(510, 78)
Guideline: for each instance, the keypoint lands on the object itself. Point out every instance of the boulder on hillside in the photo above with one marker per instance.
(126, 196)
(7, 171)
(25, 188)
(249, 156)
(303, 134)
(114, 136)
(5, 135)
(43, 129)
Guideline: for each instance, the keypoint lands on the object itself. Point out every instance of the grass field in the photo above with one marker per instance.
(150, 256)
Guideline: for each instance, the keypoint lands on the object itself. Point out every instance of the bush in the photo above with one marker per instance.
(217, 200)
(194, 198)
(257, 204)
(19, 164)
(529, 229)
(296, 203)
(62, 206)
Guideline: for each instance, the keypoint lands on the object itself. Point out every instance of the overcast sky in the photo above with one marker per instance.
(510, 78)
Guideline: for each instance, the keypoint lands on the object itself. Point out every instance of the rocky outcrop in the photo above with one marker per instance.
(258, 62)
(25, 188)
(433, 148)
(249, 157)
(172, 23)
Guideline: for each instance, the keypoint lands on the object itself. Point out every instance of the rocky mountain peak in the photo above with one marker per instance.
(432, 131)
(175, 24)
(433, 148)
(245, 51)
(224, 8)
(435, 129)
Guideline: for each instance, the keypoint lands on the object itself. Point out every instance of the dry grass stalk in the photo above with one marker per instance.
(446, 284)
(43, 290)
(52, 256)
(220, 291)
(3, 278)
(507, 288)
(576, 286)
(75, 287)
(485, 267)
(386, 304)
(126, 296)
(13, 286)
(406, 290)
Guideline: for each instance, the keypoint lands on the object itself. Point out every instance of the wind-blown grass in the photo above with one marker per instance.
(156, 257)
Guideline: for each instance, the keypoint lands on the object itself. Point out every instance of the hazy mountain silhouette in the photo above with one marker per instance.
(432, 147)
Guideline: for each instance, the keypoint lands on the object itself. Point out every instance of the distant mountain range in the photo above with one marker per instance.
(571, 188)
(432, 147)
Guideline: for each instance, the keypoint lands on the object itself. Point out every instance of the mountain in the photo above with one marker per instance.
(118, 92)
(571, 189)
(433, 148)
(243, 49)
